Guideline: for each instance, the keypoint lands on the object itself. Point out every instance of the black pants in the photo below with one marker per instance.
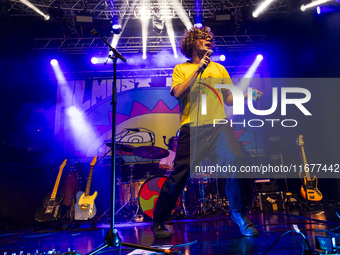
(220, 145)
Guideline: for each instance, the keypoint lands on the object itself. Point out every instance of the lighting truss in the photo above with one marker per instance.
(127, 9)
(135, 44)
(140, 73)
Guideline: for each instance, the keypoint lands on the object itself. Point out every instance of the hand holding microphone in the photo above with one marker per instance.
(205, 60)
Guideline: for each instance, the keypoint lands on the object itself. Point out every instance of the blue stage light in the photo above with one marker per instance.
(54, 62)
(199, 25)
(259, 57)
(94, 60)
(318, 10)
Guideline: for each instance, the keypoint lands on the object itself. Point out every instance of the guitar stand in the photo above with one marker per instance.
(112, 238)
(288, 195)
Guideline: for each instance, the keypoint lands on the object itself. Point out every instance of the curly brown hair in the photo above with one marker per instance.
(190, 37)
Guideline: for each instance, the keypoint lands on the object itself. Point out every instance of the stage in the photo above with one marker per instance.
(76, 120)
(212, 234)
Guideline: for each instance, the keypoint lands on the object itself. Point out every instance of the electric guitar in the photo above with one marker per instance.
(309, 189)
(85, 208)
(50, 210)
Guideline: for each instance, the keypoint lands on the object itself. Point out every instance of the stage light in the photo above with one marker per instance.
(157, 23)
(312, 4)
(33, 7)
(261, 8)
(94, 60)
(54, 62)
(327, 8)
(318, 10)
(116, 27)
(198, 25)
(259, 57)
(144, 56)
(222, 57)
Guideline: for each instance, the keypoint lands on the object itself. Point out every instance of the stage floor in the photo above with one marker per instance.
(206, 235)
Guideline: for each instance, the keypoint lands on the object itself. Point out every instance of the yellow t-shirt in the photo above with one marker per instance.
(203, 95)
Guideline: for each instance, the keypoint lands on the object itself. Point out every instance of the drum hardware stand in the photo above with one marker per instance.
(112, 238)
(130, 202)
(201, 208)
(217, 205)
(184, 209)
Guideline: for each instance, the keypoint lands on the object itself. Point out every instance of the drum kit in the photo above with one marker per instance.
(129, 186)
(201, 196)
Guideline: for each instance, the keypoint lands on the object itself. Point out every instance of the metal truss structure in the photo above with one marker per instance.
(127, 9)
(135, 44)
(140, 73)
(67, 11)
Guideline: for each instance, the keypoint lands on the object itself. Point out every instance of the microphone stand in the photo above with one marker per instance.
(112, 238)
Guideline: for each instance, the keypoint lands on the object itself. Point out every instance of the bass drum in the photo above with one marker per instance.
(124, 191)
(149, 193)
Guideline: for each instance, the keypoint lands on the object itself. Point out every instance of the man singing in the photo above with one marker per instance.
(199, 138)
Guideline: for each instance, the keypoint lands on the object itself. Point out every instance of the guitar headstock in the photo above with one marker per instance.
(299, 141)
(63, 164)
(94, 160)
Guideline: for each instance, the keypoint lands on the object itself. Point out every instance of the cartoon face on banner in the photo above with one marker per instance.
(87, 129)
(149, 114)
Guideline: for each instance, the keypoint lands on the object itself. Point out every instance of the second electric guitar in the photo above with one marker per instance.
(85, 208)
(309, 189)
(50, 210)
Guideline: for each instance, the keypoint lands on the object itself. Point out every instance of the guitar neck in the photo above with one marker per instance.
(304, 161)
(56, 185)
(88, 185)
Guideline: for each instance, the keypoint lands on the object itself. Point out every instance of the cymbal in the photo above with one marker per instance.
(122, 149)
(150, 152)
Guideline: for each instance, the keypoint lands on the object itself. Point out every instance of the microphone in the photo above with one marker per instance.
(208, 54)
(94, 32)
(133, 129)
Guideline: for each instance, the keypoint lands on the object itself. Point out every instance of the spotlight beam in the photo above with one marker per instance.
(245, 81)
(171, 34)
(58, 73)
(145, 26)
(262, 7)
(169, 27)
(115, 40)
(33, 7)
(182, 14)
(312, 4)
